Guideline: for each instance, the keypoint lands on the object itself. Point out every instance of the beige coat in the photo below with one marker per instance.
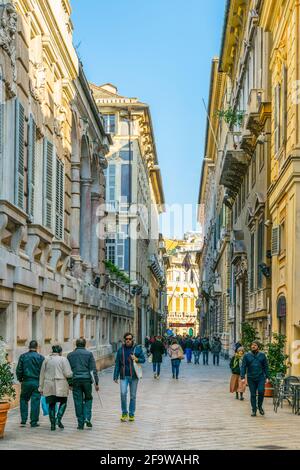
(53, 376)
(175, 351)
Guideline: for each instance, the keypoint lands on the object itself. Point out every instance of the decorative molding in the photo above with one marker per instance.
(38, 84)
(8, 29)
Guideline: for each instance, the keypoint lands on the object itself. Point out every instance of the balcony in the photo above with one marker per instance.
(235, 163)
(253, 122)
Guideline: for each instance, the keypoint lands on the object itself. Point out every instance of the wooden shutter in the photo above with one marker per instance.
(19, 155)
(277, 118)
(31, 166)
(275, 241)
(48, 183)
(59, 199)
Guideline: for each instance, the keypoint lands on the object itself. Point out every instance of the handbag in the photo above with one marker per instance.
(137, 368)
(150, 358)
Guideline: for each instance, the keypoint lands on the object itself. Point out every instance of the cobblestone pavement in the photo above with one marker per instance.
(195, 412)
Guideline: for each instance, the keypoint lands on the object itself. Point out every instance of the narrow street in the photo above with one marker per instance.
(196, 412)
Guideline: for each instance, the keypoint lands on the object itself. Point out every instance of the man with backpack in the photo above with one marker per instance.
(205, 347)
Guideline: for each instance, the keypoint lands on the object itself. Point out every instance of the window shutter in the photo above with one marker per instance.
(19, 155)
(277, 118)
(48, 183)
(31, 166)
(59, 199)
(283, 120)
(275, 241)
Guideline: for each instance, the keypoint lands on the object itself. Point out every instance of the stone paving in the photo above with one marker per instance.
(194, 413)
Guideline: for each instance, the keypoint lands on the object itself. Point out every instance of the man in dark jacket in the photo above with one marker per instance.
(189, 350)
(157, 350)
(125, 370)
(216, 349)
(83, 366)
(28, 374)
(197, 350)
(255, 365)
(205, 348)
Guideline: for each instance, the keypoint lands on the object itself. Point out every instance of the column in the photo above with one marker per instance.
(95, 201)
(75, 212)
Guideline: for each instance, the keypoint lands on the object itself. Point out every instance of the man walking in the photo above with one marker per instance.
(127, 355)
(189, 349)
(28, 374)
(196, 350)
(205, 347)
(255, 365)
(216, 348)
(83, 366)
(157, 350)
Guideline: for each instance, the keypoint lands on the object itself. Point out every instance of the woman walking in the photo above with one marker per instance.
(175, 352)
(54, 385)
(236, 384)
(157, 350)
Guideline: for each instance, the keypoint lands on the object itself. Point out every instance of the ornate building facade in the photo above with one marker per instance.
(53, 285)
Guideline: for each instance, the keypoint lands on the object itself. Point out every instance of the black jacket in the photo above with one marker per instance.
(197, 345)
(157, 350)
(255, 365)
(189, 344)
(29, 366)
(83, 364)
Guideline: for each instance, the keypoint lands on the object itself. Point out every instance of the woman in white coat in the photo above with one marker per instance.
(54, 385)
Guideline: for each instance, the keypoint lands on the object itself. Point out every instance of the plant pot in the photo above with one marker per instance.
(4, 407)
(268, 390)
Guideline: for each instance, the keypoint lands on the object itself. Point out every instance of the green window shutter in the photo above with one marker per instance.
(48, 183)
(275, 244)
(59, 199)
(19, 155)
(31, 166)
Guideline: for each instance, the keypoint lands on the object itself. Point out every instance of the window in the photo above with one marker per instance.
(48, 184)
(260, 253)
(32, 140)
(125, 155)
(178, 304)
(125, 182)
(185, 305)
(109, 123)
(277, 112)
(20, 163)
(59, 199)
(111, 250)
(252, 262)
(253, 168)
(111, 183)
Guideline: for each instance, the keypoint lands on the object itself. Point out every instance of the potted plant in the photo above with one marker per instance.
(278, 360)
(7, 390)
(231, 116)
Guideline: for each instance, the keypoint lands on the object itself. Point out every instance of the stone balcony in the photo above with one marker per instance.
(235, 163)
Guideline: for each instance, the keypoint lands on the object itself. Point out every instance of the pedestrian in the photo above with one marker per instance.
(236, 384)
(255, 365)
(237, 345)
(157, 350)
(176, 354)
(196, 350)
(147, 344)
(84, 370)
(28, 374)
(216, 349)
(55, 378)
(205, 348)
(189, 349)
(125, 369)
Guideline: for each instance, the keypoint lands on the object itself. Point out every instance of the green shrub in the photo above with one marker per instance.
(7, 390)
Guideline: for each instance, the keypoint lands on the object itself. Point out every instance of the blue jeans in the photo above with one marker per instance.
(257, 385)
(133, 384)
(156, 367)
(196, 356)
(205, 357)
(175, 367)
(216, 356)
(188, 353)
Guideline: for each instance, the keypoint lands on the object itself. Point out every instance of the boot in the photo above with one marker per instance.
(52, 417)
(60, 413)
(237, 395)
(241, 397)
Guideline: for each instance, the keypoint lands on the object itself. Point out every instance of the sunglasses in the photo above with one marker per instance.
(128, 339)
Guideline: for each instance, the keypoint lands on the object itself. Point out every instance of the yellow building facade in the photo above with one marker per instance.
(282, 19)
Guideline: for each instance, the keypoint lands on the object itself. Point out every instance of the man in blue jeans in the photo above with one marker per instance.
(255, 365)
(124, 369)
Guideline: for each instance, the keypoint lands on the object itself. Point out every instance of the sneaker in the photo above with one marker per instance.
(131, 418)
(173, 376)
(155, 375)
(23, 424)
(158, 377)
(88, 424)
(124, 417)
(80, 427)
